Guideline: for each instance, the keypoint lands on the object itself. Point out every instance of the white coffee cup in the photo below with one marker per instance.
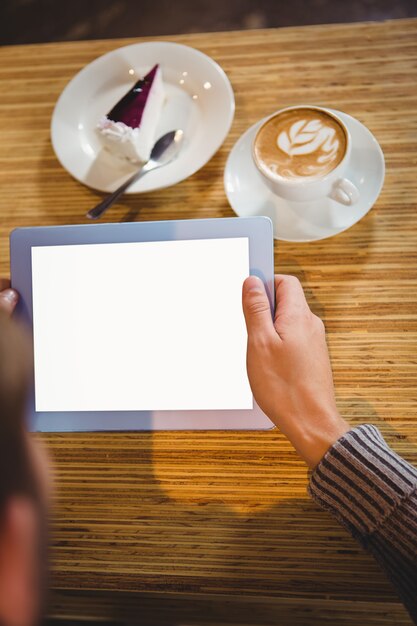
(334, 184)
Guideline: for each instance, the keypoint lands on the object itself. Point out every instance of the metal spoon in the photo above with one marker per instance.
(164, 151)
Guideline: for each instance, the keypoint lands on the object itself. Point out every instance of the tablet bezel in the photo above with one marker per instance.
(258, 230)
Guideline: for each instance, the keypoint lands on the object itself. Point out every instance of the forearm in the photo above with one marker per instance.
(369, 488)
(373, 493)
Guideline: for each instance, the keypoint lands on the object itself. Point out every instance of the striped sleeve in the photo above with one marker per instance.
(372, 491)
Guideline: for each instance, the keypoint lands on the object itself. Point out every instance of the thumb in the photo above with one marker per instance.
(256, 308)
(8, 300)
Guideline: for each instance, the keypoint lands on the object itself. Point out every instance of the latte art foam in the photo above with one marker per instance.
(300, 143)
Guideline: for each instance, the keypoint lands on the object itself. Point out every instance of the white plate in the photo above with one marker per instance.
(199, 100)
(249, 195)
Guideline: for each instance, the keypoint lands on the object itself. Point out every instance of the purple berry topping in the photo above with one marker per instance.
(129, 109)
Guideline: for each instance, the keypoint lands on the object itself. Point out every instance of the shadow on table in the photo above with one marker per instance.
(160, 534)
(199, 196)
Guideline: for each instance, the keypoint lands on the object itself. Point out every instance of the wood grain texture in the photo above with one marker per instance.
(218, 526)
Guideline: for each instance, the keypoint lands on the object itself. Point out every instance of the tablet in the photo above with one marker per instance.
(139, 326)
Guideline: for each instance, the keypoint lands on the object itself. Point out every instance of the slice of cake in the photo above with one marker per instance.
(128, 130)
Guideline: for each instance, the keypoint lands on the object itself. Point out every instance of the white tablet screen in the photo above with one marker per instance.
(140, 326)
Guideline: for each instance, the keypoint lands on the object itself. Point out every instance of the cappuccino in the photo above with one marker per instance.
(300, 143)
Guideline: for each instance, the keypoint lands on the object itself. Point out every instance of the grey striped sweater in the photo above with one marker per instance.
(373, 492)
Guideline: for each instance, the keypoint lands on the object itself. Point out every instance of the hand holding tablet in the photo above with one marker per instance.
(8, 297)
(289, 367)
(170, 351)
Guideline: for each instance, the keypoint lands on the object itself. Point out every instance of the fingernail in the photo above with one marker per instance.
(10, 295)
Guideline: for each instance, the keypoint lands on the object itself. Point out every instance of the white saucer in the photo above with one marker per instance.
(199, 100)
(249, 195)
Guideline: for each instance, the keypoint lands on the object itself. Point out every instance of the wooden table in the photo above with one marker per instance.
(199, 528)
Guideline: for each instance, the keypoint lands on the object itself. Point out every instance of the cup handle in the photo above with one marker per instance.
(345, 192)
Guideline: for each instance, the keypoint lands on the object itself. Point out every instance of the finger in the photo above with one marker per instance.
(8, 300)
(256, 309)
(290, 298)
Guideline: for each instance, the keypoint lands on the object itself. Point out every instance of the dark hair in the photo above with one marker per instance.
(17, 476)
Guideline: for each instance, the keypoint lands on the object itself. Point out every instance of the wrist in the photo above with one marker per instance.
(316, 436)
